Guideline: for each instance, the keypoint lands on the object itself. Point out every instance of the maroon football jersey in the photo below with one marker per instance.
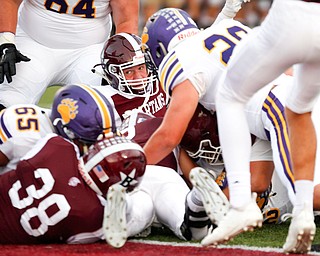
(155, 105)
(45, 200)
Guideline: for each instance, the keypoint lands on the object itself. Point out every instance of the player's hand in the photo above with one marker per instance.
(9, 56)
(235, 5)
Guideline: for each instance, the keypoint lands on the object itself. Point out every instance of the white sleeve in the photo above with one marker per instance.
(199, 83)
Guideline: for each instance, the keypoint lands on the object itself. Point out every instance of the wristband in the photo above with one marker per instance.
(6, 38)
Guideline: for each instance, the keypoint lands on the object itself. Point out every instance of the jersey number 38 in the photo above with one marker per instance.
(59, 201)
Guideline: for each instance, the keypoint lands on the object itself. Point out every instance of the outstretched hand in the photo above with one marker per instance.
(235, 5)
(9, 56)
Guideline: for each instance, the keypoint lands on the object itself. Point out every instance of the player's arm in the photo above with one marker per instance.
(125, 15)
(9, 15)
(184, 101)
(9, 55)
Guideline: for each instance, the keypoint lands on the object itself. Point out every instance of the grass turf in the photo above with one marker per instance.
(270, 235)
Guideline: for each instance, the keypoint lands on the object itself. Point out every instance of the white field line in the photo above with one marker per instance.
(243, 247)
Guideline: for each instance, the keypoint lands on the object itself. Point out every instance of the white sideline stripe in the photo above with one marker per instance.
(242, 247)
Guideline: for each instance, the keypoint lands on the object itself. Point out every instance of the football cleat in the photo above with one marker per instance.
(301, 232)
(114, 221)
(214, 201)
(236, 221)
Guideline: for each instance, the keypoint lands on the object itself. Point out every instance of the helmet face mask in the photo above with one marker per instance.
(164, 30)
(208, 152)
(123, 51)
(113, 160)
(201, 139)
(135, 87)
(81, 113)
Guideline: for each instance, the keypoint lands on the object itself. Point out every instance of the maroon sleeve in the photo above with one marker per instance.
(45, 199)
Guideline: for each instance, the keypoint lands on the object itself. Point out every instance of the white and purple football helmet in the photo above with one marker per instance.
(82, 113)
(164, 30)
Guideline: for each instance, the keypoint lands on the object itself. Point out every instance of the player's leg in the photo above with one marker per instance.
(316, 121)
(209, 197)
(303, 141)
(140, 212)
(168, 191)
(251, 67)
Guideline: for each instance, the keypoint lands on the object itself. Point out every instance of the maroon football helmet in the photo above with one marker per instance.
(113, 160)
(123, 51)
(201, 139)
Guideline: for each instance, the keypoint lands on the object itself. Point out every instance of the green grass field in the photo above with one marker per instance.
(270, 235)
(47, 98)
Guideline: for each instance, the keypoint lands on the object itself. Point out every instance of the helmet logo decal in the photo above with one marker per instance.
(98, 170)
(74, 181)
(128, 180)
(68, 109)
(144, 38)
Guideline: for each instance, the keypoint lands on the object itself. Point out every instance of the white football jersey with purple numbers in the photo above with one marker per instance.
(21, 126)
(202, 59)
(66, 24)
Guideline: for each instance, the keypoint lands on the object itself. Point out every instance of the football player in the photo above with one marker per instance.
(184, 74)
(130, 77)
(83, 115)
(55, 196)
(269, 51)
(23, 124)
(59, 42)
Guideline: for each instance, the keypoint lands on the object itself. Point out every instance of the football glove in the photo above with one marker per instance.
(233, 6)
(9, 56)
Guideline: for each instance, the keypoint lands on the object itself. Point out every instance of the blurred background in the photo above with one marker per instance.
(204, 12)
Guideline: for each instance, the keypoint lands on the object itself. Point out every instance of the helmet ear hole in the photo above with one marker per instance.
(162, 49)
(158, 52)
(113, 69)
(69, 133)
